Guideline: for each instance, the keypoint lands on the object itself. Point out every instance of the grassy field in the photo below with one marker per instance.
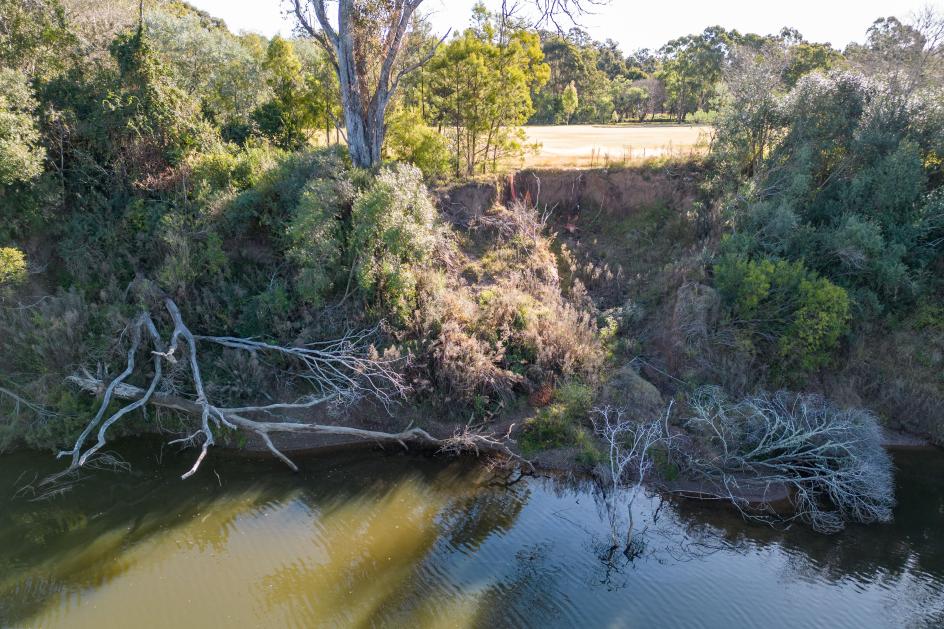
(586, 146)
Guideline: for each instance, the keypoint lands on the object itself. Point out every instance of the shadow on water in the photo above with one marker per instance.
(360, 538)
(912, 542)
(366, 520)
(83, 539)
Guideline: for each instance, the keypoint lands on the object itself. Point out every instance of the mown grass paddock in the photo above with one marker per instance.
(594, 146)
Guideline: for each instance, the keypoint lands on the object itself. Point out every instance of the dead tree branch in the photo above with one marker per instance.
(340, 371)
(558, 13)
(21, 404)
(629, 461)
(831, 459)
(465, 441)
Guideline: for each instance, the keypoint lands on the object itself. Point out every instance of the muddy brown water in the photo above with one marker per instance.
(366, 539)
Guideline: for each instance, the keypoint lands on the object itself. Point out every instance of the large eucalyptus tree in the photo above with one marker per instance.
(365, 41)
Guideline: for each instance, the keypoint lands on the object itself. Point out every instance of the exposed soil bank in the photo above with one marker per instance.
(571, 195)
(636, 222)
(568, 192)
(609, 197)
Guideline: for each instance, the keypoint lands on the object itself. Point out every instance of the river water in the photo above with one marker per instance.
(360, 538)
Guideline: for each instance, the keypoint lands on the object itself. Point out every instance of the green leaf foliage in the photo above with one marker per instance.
(793, 317)
(393, 229)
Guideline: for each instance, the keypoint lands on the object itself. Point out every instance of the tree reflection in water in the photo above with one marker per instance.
(360, 538)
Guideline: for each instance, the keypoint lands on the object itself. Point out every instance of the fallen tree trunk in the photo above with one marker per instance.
(339, 371)
(478, 443)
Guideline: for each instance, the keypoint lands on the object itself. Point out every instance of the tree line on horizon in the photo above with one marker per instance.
(456, 113)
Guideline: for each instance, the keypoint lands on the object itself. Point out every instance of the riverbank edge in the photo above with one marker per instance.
(753, 495)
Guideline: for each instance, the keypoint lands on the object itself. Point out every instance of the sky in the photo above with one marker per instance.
(637, 23)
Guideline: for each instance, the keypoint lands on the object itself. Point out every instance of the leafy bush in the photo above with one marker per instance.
(192, 255)
(560, 424)
(12, 265)
(156, 114)
(701, 117)
(21, 156)
(410, 139)
(231, 169)
(276, 188)
(840, 184)
(316, 235)
(393, 231)
(790, 312)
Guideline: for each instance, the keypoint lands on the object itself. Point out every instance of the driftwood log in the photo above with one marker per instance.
(340, 371)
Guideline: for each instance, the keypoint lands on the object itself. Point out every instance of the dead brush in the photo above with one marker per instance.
(518, 219)
(566, 339)
(466, 366)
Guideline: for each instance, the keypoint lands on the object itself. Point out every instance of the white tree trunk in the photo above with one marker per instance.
(364, 106)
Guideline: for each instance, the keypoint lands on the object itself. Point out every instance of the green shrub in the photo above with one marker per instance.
(551, 428)
(577, 400)
(276, 187)
(928, 317)
(12, 265)
(839, 182)
(702, 117)
(155, 113)
(560, 424)
(743, 284)
(21, 156)
(316, 236)
(393, 232)
(410, 139)
(231, 169)
(820, 320)
(192, 254)
(263, 313)
(790, 313)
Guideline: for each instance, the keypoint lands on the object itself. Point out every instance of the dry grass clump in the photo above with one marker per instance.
(504, 324)
(564, 335)
(512, 240)
(467, 366)
(517, 220)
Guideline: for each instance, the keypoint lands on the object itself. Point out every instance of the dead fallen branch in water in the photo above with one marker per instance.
(341, 371)
(830, 459)
(630, 446)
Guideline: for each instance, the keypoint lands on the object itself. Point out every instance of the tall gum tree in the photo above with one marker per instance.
(365, 42)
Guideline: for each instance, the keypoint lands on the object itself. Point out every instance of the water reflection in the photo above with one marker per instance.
(374, 540)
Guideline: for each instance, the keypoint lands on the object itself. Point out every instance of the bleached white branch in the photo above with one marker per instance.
(629, 460)
(343, 370)
(463, 441)
(831, 459)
